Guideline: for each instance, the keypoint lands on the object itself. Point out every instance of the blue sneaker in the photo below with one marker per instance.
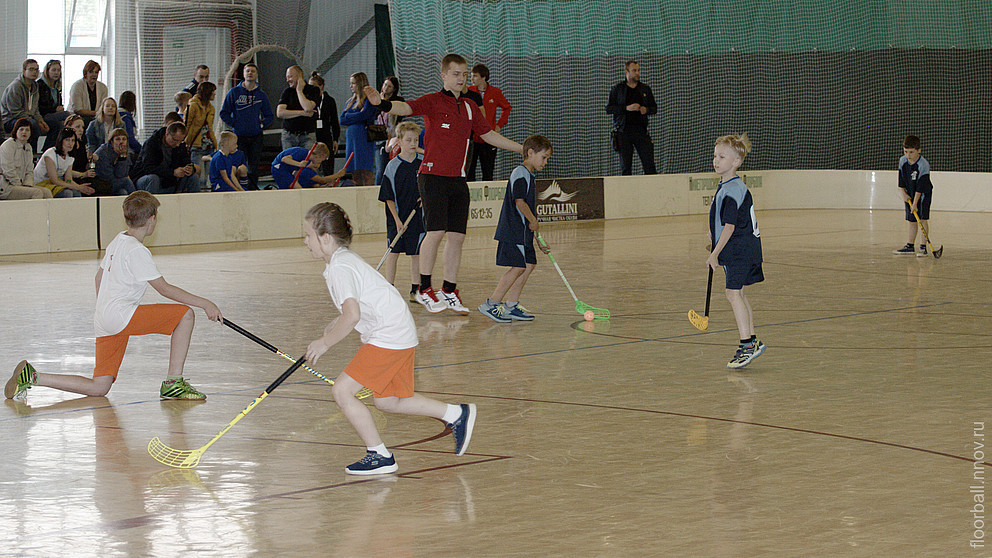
(462, 428)
(372, 464)
(497, 312)
(517, 312)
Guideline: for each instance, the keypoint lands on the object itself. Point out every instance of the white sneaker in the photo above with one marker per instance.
(430, 301)
(454, 303)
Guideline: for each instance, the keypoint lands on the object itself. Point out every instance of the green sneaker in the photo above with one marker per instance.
(23, 378)
(179, 389)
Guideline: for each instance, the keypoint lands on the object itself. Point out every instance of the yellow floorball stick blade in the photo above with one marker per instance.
(180, 459)
(698, 322)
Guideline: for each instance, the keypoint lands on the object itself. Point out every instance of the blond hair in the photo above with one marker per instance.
(139, 207)
(117, 122)
(739, 143)
(228, 135)
(320, 149)
(407, 126)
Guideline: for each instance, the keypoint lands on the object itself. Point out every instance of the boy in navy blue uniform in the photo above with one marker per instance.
(736, 241)
(916, 190)
(515, 233)
(399, 191)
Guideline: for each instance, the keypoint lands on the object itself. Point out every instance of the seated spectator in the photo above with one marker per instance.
(50, 101)
(182, 103)
(228, 171)
(164, 166)
(17, 166)
(200, 75)
(54, 168)
(82, 160)
(287, 163)
(128, 108)
(86, 95)
(106, 121)
(200, 122)
(20, 100)
(113, 165)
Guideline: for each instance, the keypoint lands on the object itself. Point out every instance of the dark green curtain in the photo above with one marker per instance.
(385, 59)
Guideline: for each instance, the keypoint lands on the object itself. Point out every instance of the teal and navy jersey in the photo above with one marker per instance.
(915, 177)
(512, 226)
(283, 174)
(732, 205)
(399, 183)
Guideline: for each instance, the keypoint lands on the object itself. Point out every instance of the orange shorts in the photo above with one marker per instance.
(147, 318)
(387, 372)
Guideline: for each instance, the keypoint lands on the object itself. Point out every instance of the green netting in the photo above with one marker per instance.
(815, 84)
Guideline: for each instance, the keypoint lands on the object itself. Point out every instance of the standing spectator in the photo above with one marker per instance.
(357, 115)
(630, 103)
(113, 165)
(54, 168)
(200, 75)
(328, 128)
(17, 166)
(128, 108)
(182, 102)
(50, 100)
(164, 166)
(477, 98)
(87, 95)
(492, 99)
(20, 100)
(106, 121)
(248, 112)
(297, 107)
(390, 91)
(200, 123)
(81, 159)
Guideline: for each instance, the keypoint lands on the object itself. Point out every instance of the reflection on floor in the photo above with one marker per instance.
(855, 434)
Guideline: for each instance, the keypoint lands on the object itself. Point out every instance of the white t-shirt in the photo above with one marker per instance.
(127, 269)
(385, 320)
(62, 164)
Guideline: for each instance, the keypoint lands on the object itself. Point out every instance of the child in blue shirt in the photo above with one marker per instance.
(285, 165)
(736, 241)
(515, 233)
(402, 196)
(227, 165)
(916, 190)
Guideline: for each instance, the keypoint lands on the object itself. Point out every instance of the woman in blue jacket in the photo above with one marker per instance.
(358, 114)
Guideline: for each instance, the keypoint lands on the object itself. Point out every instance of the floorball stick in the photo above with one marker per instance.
(939, 251)
(364, 393)
(580, 307)
(399, 233)
(344, 168)
(187, 459)
(306, 160)
(703, 322)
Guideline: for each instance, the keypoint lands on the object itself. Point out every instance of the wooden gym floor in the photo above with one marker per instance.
(855, 434)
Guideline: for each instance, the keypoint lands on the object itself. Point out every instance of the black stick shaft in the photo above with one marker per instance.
(299, 362)
(709, 289)
(250, 335)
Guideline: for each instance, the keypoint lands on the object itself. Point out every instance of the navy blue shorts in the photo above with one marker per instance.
(923, 209)
(408, 244)
(515, 255)
(740, 275)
